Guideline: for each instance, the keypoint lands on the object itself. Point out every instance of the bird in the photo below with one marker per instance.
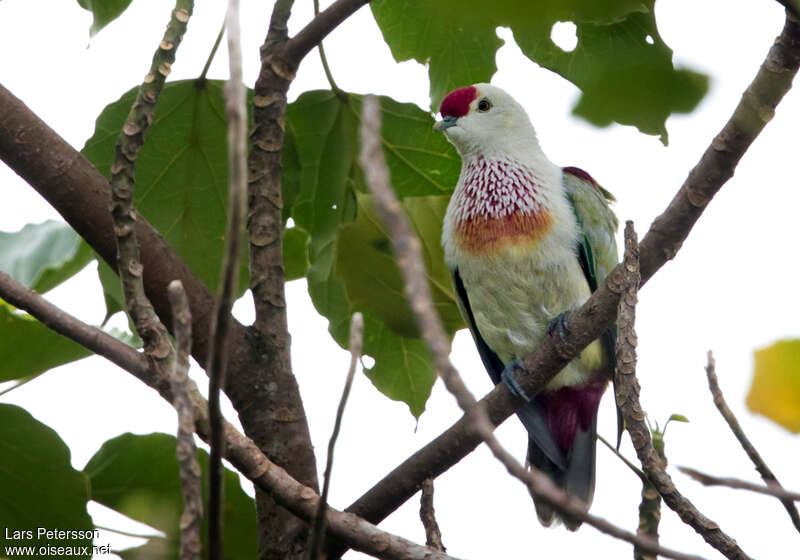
(526, 241)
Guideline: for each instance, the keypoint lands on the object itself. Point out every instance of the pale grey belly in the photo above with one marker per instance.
(513, 298)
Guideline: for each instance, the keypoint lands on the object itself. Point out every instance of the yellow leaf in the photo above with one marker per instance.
(775, 391)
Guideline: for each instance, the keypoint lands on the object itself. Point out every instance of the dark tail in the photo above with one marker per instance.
(577, 479)
(572, 471)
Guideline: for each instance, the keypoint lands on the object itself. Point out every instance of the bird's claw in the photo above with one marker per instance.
(559, 325)
(510, 381)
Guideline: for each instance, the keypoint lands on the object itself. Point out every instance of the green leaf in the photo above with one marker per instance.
(620, 63)
(403, 369)
(457, 50)
(22, 339)
(623, 77)
(775, 390)
(105, 11)
(295, 253)
(349, 267)
(366, 265)
(181, 171)
(41, 256)
(39, 487)
(138, 477)
(678, 418)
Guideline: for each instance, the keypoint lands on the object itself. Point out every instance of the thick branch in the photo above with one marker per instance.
(278, 396)
(587, 323)
(759, 463)
(278, 424)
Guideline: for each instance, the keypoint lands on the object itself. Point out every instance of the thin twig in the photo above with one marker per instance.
(189, 466)
(433, 536)
(328, 74)
(622, 457)
(417, 291)
(770, 490)
(213, 52)
(661, 243)
(157, 344)
(317, 537)
(236, 111)
(761, 466)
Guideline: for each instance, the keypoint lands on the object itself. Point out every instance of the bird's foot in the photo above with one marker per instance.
(559, 325)
(510, 380)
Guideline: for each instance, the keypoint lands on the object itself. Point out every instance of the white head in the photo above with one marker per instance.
(483, 120)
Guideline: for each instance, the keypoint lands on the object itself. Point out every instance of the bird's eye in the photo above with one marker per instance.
(484, 105)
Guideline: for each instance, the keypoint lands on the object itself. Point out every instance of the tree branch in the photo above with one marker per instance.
(433, 536)
(761, 466)
(241, 451)
(191, 475)
(324, 60)
(96, 340)
(587, 323)
(157, 344)
(317, 538)
(770, 490)
(626, 388)
(318, 28)
(280, 57)
(236, 112)
(278, 422)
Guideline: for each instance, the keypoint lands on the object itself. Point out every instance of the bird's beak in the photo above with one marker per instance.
(445, 123)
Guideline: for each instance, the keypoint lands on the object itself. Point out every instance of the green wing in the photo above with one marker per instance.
(597, 250)
(590, 203)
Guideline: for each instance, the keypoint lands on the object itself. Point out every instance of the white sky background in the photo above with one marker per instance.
(732, 288)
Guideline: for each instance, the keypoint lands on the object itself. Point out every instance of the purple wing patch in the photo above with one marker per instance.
(456, 104)
(580, 174)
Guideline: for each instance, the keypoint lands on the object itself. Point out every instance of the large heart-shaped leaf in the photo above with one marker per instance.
(138, 477)
(620, 63)
(40, 489)
(181, 171)
(351, 266)
(182, 178)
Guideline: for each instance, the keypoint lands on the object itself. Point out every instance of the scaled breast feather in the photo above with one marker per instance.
(497, 205)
